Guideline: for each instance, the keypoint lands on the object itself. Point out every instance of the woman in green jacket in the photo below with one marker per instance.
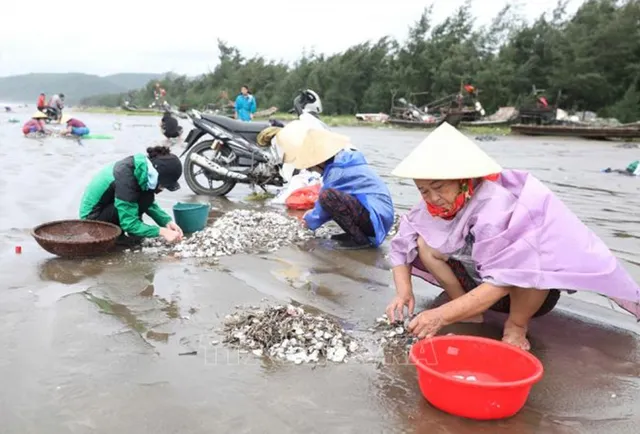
(125, 190)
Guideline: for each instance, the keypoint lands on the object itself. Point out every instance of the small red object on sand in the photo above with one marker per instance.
(18, 250)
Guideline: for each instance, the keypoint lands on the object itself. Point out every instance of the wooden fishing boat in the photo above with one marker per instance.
(404, 123)
(372, 117)
(501, 118)
(266, 112)
(588, 132)
(134, 109)
(483, 123)
(154, 111)
(451, 118)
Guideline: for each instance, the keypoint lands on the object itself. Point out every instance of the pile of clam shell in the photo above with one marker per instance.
(393, 334)
(238, 231)
(290, 334)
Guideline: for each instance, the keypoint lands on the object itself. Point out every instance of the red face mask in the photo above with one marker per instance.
(466, 192)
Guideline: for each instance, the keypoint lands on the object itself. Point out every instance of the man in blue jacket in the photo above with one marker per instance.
(245, 105)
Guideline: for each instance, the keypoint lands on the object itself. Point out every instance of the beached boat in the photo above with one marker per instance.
(453, 109)
(266, 112)
(404, 123)
(132, 108)
(372, 117)
(154, 111)
(452, 118)
(590, 132)
(503, 117)
(481, 123)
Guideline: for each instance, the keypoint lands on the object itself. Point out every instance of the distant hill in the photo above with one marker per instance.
(75, 86)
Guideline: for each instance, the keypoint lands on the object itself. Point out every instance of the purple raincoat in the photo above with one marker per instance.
(522, 235)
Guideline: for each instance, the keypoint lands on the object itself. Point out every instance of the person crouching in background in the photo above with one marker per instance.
(35, 125)
(74, 127)
(170, 127)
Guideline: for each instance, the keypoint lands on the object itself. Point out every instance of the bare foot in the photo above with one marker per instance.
(515, 335)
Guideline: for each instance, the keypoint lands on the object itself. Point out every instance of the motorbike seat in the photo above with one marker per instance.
(236, 126)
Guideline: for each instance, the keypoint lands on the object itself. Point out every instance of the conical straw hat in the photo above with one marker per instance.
(317, 147)
(292, 135)
(64, 119)
(446, 153)
(39, 115)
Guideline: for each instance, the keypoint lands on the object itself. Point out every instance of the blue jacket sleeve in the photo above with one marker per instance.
(254, 105)
(237, 104)
(316, 217)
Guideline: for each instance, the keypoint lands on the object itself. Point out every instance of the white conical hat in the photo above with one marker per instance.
(289, 138)
(446, 153)
(318, 146)
(292, 135)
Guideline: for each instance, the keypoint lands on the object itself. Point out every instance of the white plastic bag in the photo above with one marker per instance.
(303, 179)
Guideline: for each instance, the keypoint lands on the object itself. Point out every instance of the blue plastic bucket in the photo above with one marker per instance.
(191, 217)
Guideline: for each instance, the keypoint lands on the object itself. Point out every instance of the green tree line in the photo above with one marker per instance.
(592, 58)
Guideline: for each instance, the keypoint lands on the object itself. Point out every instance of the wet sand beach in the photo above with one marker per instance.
(123, 343)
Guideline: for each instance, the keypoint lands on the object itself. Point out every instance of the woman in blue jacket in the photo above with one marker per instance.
(245, 105)
(352, 194)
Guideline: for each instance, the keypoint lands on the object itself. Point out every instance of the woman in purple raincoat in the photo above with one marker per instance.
(493, 239)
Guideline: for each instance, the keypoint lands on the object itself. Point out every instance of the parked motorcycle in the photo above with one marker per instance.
(53, 114)
(230, 154)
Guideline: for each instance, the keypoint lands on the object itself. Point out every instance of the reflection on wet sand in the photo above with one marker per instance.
(69, 271)
(119, 310)
(91, 366)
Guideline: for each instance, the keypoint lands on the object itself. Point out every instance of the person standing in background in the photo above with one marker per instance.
(42, 102)
(57, 104)
(159, 93)
(245, 105)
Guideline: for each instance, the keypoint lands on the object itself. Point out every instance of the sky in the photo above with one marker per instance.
(153, 36)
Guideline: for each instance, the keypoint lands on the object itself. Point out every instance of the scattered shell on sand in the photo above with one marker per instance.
(288, 333)
(238, 231)
(393, 334)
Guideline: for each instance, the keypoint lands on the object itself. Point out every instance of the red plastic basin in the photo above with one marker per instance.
(503, 375)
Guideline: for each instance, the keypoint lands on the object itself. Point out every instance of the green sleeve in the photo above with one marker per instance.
(131, 223)
(158, 215)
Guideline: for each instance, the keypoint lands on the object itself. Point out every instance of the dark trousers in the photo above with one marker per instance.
(348, 213)
(504, 304)
(108, 213)
(173, 134)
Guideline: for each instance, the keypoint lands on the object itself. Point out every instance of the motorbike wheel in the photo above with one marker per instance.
(191, 170)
